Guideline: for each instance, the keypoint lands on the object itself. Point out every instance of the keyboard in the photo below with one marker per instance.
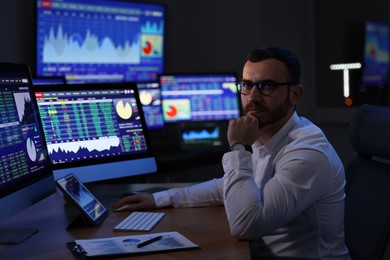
(140, 221)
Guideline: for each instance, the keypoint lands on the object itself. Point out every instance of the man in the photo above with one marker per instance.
(283, 187)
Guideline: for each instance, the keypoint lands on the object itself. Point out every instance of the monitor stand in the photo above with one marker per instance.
(16, 235)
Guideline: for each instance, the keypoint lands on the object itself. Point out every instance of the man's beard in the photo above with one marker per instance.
(269, 117)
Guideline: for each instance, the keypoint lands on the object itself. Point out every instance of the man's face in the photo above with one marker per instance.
(267, 109)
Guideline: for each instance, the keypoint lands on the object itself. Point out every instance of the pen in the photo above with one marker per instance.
(148, 242)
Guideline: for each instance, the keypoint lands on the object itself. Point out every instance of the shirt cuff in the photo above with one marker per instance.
(236, 160)
(162, 199)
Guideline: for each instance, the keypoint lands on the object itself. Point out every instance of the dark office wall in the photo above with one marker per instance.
(17, 30)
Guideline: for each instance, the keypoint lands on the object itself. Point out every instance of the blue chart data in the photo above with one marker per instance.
(22, 149)
(376, 55)
(201, 134)
(81, 125)
(213, 102)
(67, 46)
(31, 149)
(199, 97)
(10, 130)
(150, 97)
(24, 107)
(100, 40)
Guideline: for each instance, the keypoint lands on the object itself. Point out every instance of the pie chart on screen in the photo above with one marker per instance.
(176, 109)
(124, 109)
(31, 149)
(148, 47)
(145, 97)
(172, 111)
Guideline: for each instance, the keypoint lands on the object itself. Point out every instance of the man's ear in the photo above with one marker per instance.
(296, 93)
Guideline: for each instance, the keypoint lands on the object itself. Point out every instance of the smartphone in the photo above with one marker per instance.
(91, 209)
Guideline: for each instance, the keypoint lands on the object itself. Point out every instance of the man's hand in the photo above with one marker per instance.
(243, 130)
(135, 202)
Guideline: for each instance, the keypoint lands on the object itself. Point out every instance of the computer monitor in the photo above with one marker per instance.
(100, 40)
(95, 131)
(48, 80)
(25, 175)
(200, 104)
(199, 97)
(376, 55)
(150, 96)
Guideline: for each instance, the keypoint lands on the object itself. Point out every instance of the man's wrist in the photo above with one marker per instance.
(241, 147)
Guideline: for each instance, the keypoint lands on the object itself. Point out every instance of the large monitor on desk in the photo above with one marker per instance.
(100, 40)
(25, 175)
(96, 131)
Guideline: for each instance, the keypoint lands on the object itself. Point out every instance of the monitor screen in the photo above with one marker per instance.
(95, 131)
(48, 80)
(25, 175)
(150, 96)
(376, 55)
(199, 97)
(203, 136)
(99, 41)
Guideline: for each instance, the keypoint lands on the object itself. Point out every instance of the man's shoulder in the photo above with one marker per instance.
(305, 135)
(306, 131)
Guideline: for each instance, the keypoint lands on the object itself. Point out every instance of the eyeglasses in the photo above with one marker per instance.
(265, 87)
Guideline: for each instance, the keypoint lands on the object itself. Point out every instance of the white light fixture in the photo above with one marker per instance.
(345, 67)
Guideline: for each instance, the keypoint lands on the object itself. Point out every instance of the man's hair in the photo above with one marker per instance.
(288, 58)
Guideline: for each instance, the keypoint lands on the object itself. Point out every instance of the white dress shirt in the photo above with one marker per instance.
(288, 196)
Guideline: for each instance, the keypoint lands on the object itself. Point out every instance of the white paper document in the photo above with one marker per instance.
(135, 244)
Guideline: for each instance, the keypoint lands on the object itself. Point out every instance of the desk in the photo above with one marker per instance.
(207, 227)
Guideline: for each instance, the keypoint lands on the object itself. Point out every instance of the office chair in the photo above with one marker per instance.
(367, 209)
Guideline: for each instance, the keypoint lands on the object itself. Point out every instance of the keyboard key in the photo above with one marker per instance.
(140, 221)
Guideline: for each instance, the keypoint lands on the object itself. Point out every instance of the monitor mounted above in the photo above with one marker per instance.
(199, 97)
(99, 41)
(95, 131)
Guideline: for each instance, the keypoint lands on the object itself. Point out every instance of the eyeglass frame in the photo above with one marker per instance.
(260, 88)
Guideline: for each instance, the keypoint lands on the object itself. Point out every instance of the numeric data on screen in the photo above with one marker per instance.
(80, 125)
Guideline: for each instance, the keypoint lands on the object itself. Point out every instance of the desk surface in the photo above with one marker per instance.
(207, 227)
